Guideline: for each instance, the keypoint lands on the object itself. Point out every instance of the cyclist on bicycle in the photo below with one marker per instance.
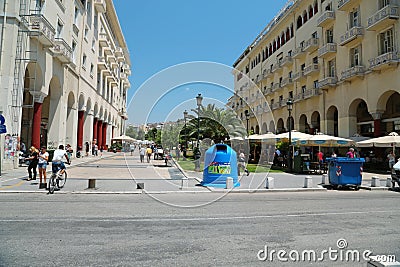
(57, 162)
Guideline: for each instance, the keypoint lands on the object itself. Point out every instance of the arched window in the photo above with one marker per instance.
(266, 52)
(287, 34)
(291, 31)
(274, 46)
(310, 12)
(270, 49)
(283, 41)
(299, 22)
(278, 43)
(315, 7)
(305, 18)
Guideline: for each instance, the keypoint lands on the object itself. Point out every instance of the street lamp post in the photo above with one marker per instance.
(247, 114)
(185, 115)
(199, 99)
(289, 104)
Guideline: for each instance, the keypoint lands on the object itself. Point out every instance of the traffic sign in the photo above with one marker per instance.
(3, 129)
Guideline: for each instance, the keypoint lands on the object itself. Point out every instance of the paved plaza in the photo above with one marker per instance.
(122, 172)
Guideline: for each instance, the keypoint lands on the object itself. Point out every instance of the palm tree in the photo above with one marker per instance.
(217, 124)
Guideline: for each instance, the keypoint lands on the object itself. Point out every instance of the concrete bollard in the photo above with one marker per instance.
(184, 183)
(388, 182)
(140, 186)
(270, 183)
(229, 183)
(325, 179)
(375, 182)
(308, 183)
(92, 183)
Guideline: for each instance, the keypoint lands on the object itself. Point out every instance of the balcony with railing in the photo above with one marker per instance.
(347, 5)
(352, 73)
(267, 73)
(267, 90)
(351, 36)
(286, 61)
(311, 45)
(327, 50)
(287, 82)
(299, 53)
(276, 86)
(384, 61)
(311, 69)
(40, 28)
(101, 63)
(100, 6)
(103, 41)
(327, 82)
(326, 18)
(299, 76)
(311, 92)
(118, 52)
(276, 105)
(62, 51)
(383, 18)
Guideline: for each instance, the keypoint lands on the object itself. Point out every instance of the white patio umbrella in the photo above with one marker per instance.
(295, 135)
(266, 136)
(124, 138)
(391, 140)
(321, 139)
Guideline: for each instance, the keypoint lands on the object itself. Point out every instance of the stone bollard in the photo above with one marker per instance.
(92, 183)
(375, 182)
(325, 179)
(308, 182)
(184, 183)
(140, 186)
(229, 183)
(270, 183)
(389, 182)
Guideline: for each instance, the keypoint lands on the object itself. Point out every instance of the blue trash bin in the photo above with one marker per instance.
(345, 171)
(220, 162)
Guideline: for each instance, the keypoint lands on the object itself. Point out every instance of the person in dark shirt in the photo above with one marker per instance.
(34, 160)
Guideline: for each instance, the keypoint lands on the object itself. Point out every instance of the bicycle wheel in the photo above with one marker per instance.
(61, 178)
(52, 183)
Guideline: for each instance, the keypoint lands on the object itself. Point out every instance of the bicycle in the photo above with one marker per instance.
(57, 180)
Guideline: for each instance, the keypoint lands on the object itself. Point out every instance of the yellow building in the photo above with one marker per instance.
(64, 68)
(336, 59)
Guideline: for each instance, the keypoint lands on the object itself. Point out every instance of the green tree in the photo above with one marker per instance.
(217, 124)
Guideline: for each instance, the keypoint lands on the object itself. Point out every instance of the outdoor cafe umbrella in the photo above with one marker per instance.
(391, 140)
(321, 139)
(124, 138)
(266, 136)
(295, 135)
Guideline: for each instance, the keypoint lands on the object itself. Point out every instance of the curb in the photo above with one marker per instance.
(380, 188)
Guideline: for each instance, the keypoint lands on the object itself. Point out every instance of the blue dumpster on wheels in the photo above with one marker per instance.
(345, 171)
(220, 163)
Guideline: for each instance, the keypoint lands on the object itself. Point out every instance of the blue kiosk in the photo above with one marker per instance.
(220, 162)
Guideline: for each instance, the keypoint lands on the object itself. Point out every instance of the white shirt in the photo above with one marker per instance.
(44, 155)
(58, 154)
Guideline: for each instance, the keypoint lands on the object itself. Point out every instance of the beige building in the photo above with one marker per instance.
(336, 59)
(64, 70)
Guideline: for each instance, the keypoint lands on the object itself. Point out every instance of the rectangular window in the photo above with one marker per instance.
(84, 58)
(290, 74)
(386, 42)
(315, 84)
(303, 89)
(315, 60)
(355, 56)
(314, 35)
(280, 98)
(76, 15)
(91, 70)
(383, 3)
(291, 95)
(331, 68)
(73, 46)
(355, 17)
(329, 36)
(60, 27)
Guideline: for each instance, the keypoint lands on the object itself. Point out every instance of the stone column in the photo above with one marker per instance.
(99, 133)
(95, 121)
(88, 129)
(81, 115)
(104, 129)
(37, 117)
(377, 122)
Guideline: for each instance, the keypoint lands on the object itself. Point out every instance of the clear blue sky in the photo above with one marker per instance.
(161, 34)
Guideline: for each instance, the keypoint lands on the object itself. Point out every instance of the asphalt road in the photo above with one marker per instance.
(136, 230)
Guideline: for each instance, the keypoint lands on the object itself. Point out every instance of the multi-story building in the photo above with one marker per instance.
(64, 70)
(337, 60)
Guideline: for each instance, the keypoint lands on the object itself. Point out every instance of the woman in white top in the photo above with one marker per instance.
(43, 159)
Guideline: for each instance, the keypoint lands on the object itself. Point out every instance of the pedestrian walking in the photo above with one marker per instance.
(42, 164)
(87, 148)
(392, 159)
(142, 152)
(96, 149)
(149, 151)
(242, 164)
(320, 157)
(350, 153)
(34, 159)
